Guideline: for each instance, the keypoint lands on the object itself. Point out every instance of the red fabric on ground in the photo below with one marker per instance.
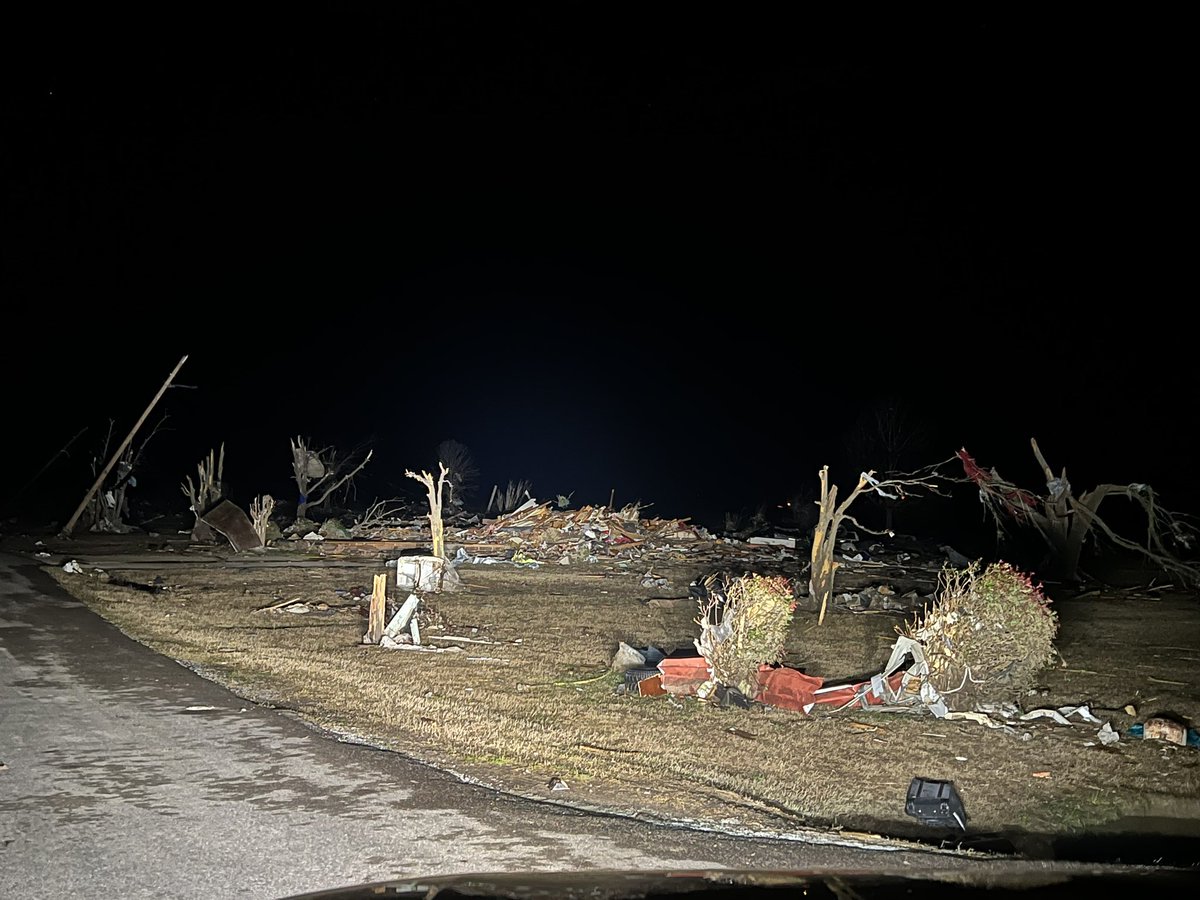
(786, 688)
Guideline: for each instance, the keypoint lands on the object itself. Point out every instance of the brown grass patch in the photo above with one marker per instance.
(514, 714)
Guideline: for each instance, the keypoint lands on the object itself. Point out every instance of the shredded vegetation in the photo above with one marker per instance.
(987, 636)
(744, 624)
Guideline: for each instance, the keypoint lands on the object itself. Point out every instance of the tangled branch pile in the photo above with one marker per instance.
(987, 635)
(743, 624)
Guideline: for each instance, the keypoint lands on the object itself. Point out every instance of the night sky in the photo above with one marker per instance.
(676, 256)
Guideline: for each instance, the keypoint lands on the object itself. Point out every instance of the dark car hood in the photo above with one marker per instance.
(718, 884)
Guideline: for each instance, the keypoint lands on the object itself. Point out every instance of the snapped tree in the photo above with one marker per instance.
(434, 492)
(260, 515)
(831, 514)
(1065, 521)
(203, 496)
(108, 504)
(318, 473)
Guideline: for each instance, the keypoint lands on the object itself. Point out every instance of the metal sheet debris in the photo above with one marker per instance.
(231, 522)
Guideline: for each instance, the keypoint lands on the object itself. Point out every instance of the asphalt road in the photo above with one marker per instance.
(125, 774)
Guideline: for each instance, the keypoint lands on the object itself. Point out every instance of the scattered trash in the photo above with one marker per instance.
(1107, 735)
(644, 682)
(627, 658)
(199, 708)
(557, 784)
(788, 542)
(312, 537)
(788, 688)
(683, 675)
(389, 644)
(73, 568)
(1040, 774)
(42, 555)
(649, 580)
(1006, 710)
(521, 558)
(1163, 729)
(935, 803)
(1061, 714)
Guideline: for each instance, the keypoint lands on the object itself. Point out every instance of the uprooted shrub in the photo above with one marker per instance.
(986, 636)
(743, 624)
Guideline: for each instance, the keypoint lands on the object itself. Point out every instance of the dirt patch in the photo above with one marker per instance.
(537, 703)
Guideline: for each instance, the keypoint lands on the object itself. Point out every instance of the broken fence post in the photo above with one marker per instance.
(400, 619)
(378, 609)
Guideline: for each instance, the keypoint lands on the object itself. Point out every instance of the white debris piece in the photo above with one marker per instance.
(1107, 735)
(627, 658)
(1045, 714)
(73, 568)
(790, 543)
(401, 618)
(425, 573)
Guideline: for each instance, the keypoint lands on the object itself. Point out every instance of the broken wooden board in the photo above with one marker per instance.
(230, 521)
(357, 547)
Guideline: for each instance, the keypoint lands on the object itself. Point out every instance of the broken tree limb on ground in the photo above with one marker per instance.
(320, 470)
(435, 505)
(831, 514)
(70, 526)
(1065, 521)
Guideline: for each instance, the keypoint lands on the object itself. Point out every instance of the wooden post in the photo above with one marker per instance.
(378, 609)
(70, 526)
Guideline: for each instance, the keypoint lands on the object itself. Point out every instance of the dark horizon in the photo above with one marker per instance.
(678, 266)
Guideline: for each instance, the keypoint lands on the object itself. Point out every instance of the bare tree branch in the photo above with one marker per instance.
(831, 514)
(1065, 521)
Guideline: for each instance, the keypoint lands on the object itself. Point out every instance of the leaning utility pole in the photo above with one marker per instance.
(70, 526)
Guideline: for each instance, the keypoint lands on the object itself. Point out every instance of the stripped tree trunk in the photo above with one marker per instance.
(434, 492)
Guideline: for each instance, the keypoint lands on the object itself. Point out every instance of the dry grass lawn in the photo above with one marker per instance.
(538, 702)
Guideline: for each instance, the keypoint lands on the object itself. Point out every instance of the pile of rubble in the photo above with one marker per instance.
(538, 533)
